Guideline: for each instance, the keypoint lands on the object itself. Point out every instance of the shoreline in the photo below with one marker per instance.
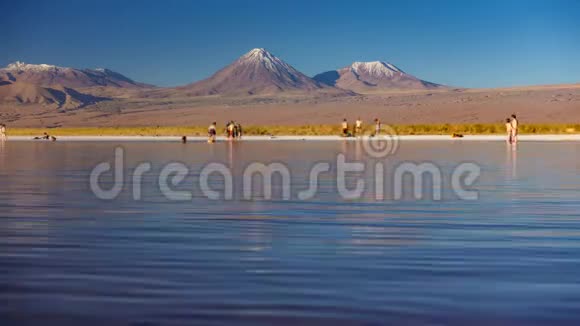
(525, 138)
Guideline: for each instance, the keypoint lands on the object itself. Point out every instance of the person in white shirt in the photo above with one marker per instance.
(515, 125)
(2, 132)
(358, 127)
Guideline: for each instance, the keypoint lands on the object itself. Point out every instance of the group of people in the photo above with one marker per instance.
(511, 126)
(358, 128)
(233, 131)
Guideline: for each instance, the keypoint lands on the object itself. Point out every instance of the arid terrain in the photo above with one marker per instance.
(261, 89)
(547, 104)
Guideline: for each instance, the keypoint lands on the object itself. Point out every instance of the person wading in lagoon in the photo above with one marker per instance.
(345, 128)
(239, 130)
(211, 132)
(509, 130)
(358, 127)
(377, 127)
(233, 130)
(230, 130)
(2, 132)
(515, 126)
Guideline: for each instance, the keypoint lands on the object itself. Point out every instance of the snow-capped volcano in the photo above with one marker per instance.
(372, 76)
(256, 72)
(48, 75)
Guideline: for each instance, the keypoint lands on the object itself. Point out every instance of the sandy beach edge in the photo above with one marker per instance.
(573, 137)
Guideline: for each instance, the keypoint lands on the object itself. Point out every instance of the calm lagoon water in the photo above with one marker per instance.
(510, 257)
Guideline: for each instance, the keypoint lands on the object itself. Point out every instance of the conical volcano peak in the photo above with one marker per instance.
(256, 72)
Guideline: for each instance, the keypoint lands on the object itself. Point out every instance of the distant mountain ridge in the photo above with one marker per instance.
(49, 76)
(258, 72)
(364, 77)
(58, 96)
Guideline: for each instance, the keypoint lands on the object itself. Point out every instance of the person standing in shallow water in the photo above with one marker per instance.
(239, 128)
(515, 126)
(2, 132)
(358, 127)
(377, 127)
(344, 128)
(230, 130)
(211, 132)
(509, 131)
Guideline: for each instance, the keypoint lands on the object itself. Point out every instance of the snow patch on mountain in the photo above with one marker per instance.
(260, 56)
(21, 66)
(377, 69)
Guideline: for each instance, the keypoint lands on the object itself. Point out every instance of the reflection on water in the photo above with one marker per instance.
(512, 160)
(68, 258)
(2, 152)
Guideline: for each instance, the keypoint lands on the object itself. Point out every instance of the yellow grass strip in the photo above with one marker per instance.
(307, 130)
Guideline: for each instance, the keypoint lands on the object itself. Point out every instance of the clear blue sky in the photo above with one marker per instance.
(167, 43)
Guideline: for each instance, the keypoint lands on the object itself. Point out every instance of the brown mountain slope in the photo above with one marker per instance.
(58, 96)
